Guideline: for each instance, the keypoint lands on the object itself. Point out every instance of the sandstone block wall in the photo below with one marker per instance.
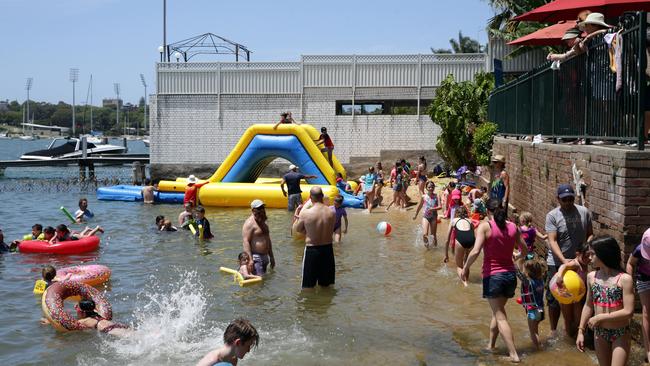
(618, 183)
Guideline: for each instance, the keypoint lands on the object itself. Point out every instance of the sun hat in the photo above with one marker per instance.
(645, 245)
(595, 19)
(455, 194)
(571, 34)
(565, 190)
(292, 167)
(257, 204)
(499, 158)
(191, 179)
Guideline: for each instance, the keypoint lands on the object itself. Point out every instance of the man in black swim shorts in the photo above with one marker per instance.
(317, 223)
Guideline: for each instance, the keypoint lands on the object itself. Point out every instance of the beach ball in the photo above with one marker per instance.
(572, 291)
(384, 228)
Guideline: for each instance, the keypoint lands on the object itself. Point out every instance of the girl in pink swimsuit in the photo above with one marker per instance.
(609, 306)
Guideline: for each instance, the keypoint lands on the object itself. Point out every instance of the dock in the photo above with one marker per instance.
(138, 161)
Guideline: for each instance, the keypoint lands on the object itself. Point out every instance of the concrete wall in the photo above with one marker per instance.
(193, 134)
(618, 180)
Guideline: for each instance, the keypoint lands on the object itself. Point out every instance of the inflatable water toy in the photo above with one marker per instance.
(572, 291)
(54, 311)
(130, 193)
(239, 278)
(68, 214)
(235, 181)
(91, 274)
(384, 228)
(82, 245)
(350, 200)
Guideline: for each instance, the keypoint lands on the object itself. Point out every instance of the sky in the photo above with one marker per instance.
(117, 40)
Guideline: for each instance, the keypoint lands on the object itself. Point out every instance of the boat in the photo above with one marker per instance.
(61, 148)
(26, 137)
(146, 142)
(4, 136)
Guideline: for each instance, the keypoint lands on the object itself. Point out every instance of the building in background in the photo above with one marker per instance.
(111, 102)
(374, 107)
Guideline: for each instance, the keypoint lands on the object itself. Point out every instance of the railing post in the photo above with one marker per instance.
(516, 108)
(641, 82)
(554, 101)
(587, 113)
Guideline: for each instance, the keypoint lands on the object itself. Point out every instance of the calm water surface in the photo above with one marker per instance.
(394, 302)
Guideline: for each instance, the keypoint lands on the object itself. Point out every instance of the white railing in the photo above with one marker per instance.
(315, 71)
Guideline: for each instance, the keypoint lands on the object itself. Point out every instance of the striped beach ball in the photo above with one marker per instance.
(384, 228)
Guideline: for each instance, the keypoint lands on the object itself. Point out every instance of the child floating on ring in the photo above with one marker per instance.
(246, 266)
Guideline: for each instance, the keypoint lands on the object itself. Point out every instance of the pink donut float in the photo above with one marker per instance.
(82, 245)
(62, 320)
(92, 274)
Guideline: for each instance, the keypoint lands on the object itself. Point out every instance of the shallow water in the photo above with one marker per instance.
(393, 303)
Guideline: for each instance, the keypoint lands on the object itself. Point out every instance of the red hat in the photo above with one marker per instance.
(455, 194)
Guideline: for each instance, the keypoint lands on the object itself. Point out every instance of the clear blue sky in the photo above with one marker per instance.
(116, 40)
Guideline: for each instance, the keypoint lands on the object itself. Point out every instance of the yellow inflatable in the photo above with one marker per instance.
(236, 183)
(238, 278)
(572, 291)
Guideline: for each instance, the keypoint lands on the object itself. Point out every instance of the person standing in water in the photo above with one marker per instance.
(239, 337)
(500, 184)
(317, 224)
(293, 192)
(430, 217)
(497, 238)
(257, 239)
(422, 175)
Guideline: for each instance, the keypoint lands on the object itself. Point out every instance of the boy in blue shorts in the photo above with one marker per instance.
(340, 212)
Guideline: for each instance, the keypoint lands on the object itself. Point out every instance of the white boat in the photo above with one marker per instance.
(4, 136)
(26, 137)
(62, 148)
(146, 142)
(93, 139)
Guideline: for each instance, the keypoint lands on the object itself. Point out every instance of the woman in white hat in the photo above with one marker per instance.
(593, 25)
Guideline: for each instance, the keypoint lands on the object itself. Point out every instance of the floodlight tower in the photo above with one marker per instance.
(74, 77)
(144, 83)
(28, 87)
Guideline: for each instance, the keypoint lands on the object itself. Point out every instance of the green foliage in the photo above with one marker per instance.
(460, 109)
(482, 142)
(60, 114)
(461, 45)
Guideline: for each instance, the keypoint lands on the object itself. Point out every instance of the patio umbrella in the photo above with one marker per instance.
(569, 9)
(549, 36)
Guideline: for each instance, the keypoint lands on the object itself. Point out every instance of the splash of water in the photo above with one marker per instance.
(170, 327)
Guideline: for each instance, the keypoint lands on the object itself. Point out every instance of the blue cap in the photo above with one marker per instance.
(565, 190)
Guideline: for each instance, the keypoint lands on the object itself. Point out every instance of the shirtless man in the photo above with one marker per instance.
(317, 224)
(257, 241)
(148, 191)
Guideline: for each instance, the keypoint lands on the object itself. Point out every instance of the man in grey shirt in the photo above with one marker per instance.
(567, 226)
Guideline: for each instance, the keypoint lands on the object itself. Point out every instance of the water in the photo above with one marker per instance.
(393, 302)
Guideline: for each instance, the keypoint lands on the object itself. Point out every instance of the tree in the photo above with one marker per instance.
(502, 26)
(460, 109)
(465, 44)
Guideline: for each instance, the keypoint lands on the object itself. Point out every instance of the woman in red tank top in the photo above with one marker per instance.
(498, 238)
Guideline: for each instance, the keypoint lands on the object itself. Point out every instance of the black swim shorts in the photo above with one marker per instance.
(318, 266)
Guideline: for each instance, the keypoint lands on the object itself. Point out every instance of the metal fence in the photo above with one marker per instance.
(584, 98)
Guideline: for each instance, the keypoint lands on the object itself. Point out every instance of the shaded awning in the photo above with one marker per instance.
(549, 36)
(569, 9)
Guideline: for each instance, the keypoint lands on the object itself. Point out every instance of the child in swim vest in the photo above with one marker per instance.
(49, 276)
(246, 266)
(532, 273)
(239, 337)
(529, 232)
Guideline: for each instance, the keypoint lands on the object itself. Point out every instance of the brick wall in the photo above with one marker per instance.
(203, 129)
(618, 180)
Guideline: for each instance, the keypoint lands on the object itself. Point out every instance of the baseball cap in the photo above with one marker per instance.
(565, 190)
(257, 203)
(456, 195)
(292, 167)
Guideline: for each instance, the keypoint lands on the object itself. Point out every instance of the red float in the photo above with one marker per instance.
(82, 245)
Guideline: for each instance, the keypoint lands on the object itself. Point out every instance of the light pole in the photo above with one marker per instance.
(161, 49)
(74, 76)
(178, 56)
(165, 30)
(116, 86)
(28, 87)
(144, 122)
